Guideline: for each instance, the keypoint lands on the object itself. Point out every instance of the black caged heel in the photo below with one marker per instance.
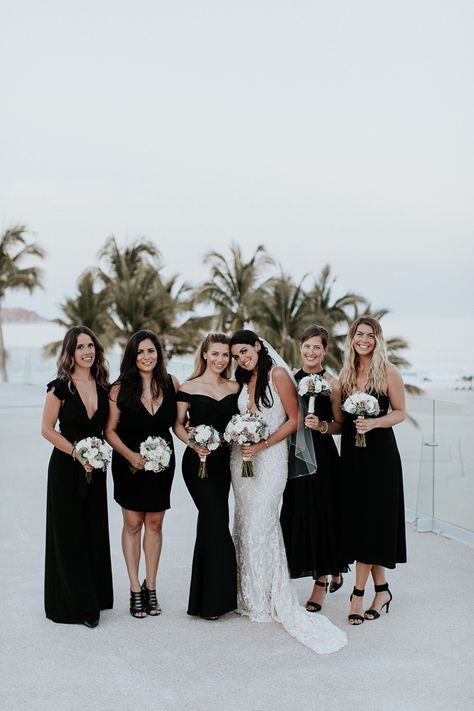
(354, 618)
(375, 614)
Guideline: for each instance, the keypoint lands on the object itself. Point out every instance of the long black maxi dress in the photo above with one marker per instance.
(372, 504)
(144, 490)
(213, 589)
(78, 572)
(310, 511)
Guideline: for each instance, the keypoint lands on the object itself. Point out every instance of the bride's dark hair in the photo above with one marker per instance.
(264, 365)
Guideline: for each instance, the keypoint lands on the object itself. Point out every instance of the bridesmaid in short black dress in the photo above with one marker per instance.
(310, 510)
(78, 573)
(208, 397)
(372, 505)
(142, 405)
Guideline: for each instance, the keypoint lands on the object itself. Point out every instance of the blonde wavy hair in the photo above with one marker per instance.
(377, 375)
(200, 363)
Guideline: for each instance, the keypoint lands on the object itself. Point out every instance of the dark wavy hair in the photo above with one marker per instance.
(265, 363)
(99, 368)
(131, 384)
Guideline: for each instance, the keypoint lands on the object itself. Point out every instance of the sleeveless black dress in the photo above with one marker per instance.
(78, 572)
(310, 511)
(372, 504)
(145, 490)
(213, 589)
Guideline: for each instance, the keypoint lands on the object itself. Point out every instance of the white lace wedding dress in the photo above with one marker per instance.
(264, 589)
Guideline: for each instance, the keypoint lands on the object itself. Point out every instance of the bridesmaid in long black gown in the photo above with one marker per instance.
(142, 404)
(310, 510)
(78, 573)
(372, 506)
(208, 397)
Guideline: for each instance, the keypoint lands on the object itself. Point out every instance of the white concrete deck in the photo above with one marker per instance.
(420, 656)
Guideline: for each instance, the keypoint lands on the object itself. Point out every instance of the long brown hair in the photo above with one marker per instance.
(265, 363)
(131, 384)
(377, 374)
(99, 368)
(200, 364)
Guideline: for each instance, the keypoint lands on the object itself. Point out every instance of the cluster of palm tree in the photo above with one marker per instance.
(127, 291)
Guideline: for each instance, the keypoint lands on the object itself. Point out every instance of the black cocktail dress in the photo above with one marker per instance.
(145, 490)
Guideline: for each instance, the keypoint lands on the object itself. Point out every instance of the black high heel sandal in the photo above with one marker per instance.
(137, 605)
(335, 586)
(357, 619)
(315, 606)
(375, 614)
(152, 606)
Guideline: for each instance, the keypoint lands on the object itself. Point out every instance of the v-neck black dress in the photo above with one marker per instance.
(145, 490)
(213, 589)
(78, 572)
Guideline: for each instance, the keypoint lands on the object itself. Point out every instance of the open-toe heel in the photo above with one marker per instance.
(315, 606)
(152, 606)
(355, 619)
(137, 605)
(375, 613)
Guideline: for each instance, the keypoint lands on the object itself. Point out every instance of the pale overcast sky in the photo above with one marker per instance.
(336, 132)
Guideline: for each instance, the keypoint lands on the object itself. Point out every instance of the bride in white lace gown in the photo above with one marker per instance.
(264, 589)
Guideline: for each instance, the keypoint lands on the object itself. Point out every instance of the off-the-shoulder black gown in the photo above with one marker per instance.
(213, 590)
(78, 572)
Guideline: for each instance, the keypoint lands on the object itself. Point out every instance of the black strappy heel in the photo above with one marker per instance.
(152, 606)
(358, 619)
(137, 605)
(375, 614)
(315, 606)
(335, 586)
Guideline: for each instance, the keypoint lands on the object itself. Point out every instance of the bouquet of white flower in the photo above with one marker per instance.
(313, 385)
(362, 405)
(207, 437)
(95, 452)
(248, 428)
(156, 452)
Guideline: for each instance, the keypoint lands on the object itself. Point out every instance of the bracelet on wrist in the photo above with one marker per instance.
(326, 429)
(73, 452)
(266, 443)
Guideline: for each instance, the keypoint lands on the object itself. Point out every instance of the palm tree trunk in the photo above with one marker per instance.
(3, 354)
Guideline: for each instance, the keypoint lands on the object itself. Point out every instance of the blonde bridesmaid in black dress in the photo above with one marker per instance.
(142, 404)
(209, 397)
(78, 573)
(372, 505)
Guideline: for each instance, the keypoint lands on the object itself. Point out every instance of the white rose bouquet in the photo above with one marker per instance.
(248, 428)
(156, 452)
(95, 452)
(313, 385)
(362, 405)
(207, 437)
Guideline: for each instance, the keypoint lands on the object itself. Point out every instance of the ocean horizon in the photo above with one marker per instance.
(440, 352)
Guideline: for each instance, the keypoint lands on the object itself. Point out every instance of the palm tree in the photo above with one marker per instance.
(138, 295)
(282, 314)
(233, 286)
(14, 250)
(91, 308)
(331, 313)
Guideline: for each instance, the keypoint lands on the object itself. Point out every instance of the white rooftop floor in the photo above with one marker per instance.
(420, 656)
